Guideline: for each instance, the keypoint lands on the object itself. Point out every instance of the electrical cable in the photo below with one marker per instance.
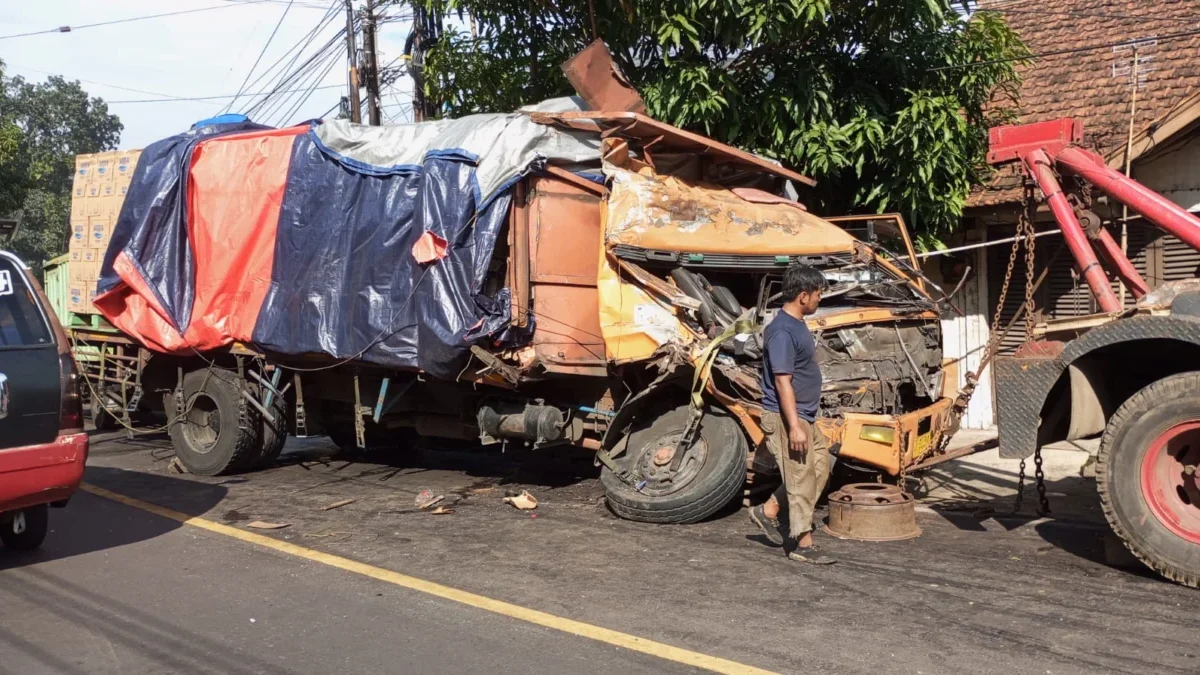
(1087, 14)
(291, 78)
(302, 44)
(286, 118)
(99, 84)
(208, 98)
(270, 39)
(274, 102)
(70, 29)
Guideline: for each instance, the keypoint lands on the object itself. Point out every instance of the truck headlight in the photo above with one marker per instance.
(885, 435)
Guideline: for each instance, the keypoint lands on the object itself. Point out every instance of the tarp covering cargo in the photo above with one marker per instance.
(351, 242)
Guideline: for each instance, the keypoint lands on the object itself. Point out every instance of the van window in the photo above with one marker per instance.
(21, 323)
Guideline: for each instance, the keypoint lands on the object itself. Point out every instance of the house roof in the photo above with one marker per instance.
(1083, 84)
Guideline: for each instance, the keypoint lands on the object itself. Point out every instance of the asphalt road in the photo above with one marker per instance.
(117, 589)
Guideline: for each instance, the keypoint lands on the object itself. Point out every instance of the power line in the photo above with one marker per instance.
(212, 98)
(167, 97)
(69, 29)
(259, 59)
(1077, 50)
(298, 49)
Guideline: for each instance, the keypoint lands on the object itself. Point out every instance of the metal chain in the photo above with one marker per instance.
(1043, 503)
(1020, 489)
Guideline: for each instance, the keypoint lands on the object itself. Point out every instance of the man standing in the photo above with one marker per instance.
(791, 384)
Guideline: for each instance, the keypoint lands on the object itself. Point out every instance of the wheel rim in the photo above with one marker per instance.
(652, 464)
(202, 423)
(1169, 482)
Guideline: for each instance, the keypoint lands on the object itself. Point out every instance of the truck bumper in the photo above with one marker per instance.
(40, 474)
(887, 442)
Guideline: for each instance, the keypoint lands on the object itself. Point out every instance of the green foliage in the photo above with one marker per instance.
(845, 91)
(42, 127)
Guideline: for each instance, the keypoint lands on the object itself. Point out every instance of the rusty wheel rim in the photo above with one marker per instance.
(652, 464)
(1168, 480)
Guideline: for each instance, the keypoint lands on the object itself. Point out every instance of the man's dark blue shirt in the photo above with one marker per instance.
(790, 349)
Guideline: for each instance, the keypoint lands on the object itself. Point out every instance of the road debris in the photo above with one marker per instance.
(338, 504)
(442, 511)
(264, 525)
(523, 500)
(176, 466)
(425, 499)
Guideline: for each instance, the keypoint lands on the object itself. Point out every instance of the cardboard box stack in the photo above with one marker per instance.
(97, 193)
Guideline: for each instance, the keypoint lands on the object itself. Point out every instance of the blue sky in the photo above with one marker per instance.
(206, 53)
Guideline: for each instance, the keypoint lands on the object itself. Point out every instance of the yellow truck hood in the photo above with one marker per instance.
(664, 213)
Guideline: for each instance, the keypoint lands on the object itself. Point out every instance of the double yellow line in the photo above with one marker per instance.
(569, 626)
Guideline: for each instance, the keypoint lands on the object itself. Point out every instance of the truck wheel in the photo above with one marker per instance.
(712, 472)
(207, 439)
(1146, 475)
(26, 529)
(102, 419)
(274, 434)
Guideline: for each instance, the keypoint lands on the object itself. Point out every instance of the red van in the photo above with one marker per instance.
(43, 446)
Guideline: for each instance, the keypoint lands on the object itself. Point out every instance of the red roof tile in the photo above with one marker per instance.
(1082, 85)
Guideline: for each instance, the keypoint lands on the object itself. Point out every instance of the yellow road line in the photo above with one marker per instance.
(612, 637)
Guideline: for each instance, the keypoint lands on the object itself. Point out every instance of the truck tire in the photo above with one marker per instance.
(102, 419)
(274, 434)
(712, 473)
(1149, 497)
(208, 439)
(34, 527)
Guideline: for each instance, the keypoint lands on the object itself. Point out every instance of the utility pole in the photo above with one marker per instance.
(415, 53)
(371, 55)
(352, 54)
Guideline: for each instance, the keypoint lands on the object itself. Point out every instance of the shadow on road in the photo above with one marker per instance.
(91, 523)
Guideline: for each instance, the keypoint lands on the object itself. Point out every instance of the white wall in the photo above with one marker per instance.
(965, 337)
(1174, 172)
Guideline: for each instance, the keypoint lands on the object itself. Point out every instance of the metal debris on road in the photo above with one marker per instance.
(263, 525)
(425, 499)
(338, 504)
(176, 466)
(523, 500)
(442, 511)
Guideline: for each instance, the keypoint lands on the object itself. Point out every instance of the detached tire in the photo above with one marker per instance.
(711, 475)
(33, 528)
(208, 440)
(1146, 475)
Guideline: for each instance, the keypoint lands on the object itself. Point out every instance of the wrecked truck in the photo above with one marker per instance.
(543, 278)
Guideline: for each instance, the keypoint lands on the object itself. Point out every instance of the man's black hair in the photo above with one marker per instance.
(801, 278)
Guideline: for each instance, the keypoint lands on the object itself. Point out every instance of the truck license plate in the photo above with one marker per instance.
(922, 443)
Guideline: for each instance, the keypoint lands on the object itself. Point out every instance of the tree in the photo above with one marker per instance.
(846, 91)
(53, 121)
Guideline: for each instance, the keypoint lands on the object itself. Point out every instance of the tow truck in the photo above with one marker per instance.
(1129, 375)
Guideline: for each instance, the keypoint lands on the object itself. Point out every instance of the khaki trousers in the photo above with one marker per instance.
(802, 482)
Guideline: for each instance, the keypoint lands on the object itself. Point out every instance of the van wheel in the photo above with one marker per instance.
(1146, 473)
(26, 529)
(207, 439)
(711, 475)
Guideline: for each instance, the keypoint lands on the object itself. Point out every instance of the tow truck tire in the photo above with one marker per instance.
(1148, 498)
(716, 477)
(208, 440)
(37, 524)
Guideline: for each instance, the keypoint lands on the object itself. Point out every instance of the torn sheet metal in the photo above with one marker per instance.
(665, 213)
(634, 324)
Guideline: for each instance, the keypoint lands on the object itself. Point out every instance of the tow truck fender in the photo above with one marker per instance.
(1024, 384)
